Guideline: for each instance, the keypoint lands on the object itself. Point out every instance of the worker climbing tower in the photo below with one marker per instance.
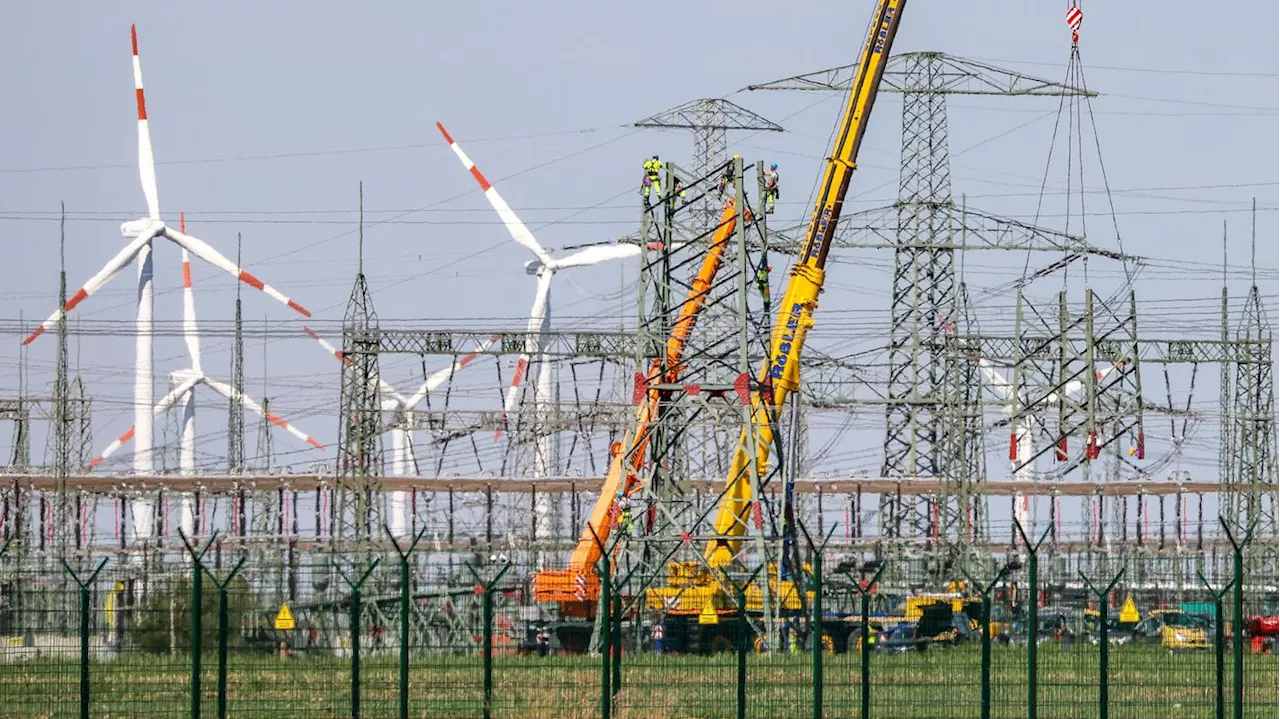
(710, 119)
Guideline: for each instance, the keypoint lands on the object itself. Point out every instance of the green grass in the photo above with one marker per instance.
(940, 683)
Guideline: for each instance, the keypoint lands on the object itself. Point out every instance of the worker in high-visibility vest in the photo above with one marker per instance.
(770, 188)
(652, 176)
(624, 520)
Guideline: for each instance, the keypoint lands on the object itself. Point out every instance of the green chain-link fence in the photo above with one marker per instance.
(422, 633)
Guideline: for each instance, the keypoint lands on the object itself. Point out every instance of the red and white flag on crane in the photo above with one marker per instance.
(1075, 16)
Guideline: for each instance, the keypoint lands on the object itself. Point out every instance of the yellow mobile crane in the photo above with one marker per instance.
(781, 373)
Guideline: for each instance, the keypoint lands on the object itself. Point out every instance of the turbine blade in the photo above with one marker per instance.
(111, 448)
(167, 402)
(190, 332)
(205, 251)
(597, 254)
(109, 270)
(518, 231)
(146, 160)
(441, 376)
(513, 393)
(999, 384)
(383, 387)
(532, 345)
(234, 396)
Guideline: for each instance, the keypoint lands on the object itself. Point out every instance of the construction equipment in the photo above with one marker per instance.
(693, 591)
(695, 588)
(577, 588)
(781, 374)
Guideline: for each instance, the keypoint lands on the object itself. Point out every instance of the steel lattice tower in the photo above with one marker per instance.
(710, 119)
(924, 228)
(235, 412)
(64, 416)
(360, 424)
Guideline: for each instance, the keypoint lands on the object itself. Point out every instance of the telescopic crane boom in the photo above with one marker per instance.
(577, 585)
(781, 374)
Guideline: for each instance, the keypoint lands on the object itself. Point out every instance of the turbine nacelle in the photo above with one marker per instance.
(134, 228)
(534, 267)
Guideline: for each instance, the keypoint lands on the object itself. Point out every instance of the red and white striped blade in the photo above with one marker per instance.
(441, 376)
(234, 396)
(532, 347)
(111, 269)
(190, 332)
(383, 387)
(146, 160)
(518, 231)
(326, 345)
(111, 448)
(205, 251)
(513, 393)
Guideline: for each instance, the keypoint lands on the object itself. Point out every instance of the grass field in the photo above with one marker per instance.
(940, 683)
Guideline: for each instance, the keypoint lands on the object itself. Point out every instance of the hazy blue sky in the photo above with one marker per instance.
(266, 115)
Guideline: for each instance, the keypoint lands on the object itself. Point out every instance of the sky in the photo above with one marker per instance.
(266, 116)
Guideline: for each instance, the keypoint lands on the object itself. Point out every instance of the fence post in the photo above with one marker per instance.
(405, 597)
(222, 635)
(615, 645)
(1219, 648)
(486, 608)
(355, 632)
(817, 624)
(197, 610)
(740, 599)
(1237, 617)
(1033, 616)
(986, 632)
(1104, 640)
(816, 631)
(84, 630)
(865, 599)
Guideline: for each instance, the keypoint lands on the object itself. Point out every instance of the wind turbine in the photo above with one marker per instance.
(544, 267)
(143, 231)
(402, 409)
(183, 384)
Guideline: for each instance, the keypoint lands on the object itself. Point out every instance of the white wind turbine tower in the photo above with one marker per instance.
(1024, 431)
(143, 231)
(183, 384)
(403, 459)
(544, 267)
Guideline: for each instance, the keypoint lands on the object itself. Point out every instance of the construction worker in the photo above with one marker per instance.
(624, 519)
(679, 190)
(652, 176)
(770, 188)
(726, 180)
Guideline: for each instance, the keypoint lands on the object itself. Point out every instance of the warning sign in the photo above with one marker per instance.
(708, 615)
(1129, 612)
(284, 618)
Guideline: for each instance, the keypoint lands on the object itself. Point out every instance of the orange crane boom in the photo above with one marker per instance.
(577, 583)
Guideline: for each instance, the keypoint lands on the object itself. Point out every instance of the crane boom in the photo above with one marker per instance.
(577, 583)
(781, 372)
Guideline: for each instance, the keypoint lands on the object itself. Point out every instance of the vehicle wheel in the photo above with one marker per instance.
(720, 644)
